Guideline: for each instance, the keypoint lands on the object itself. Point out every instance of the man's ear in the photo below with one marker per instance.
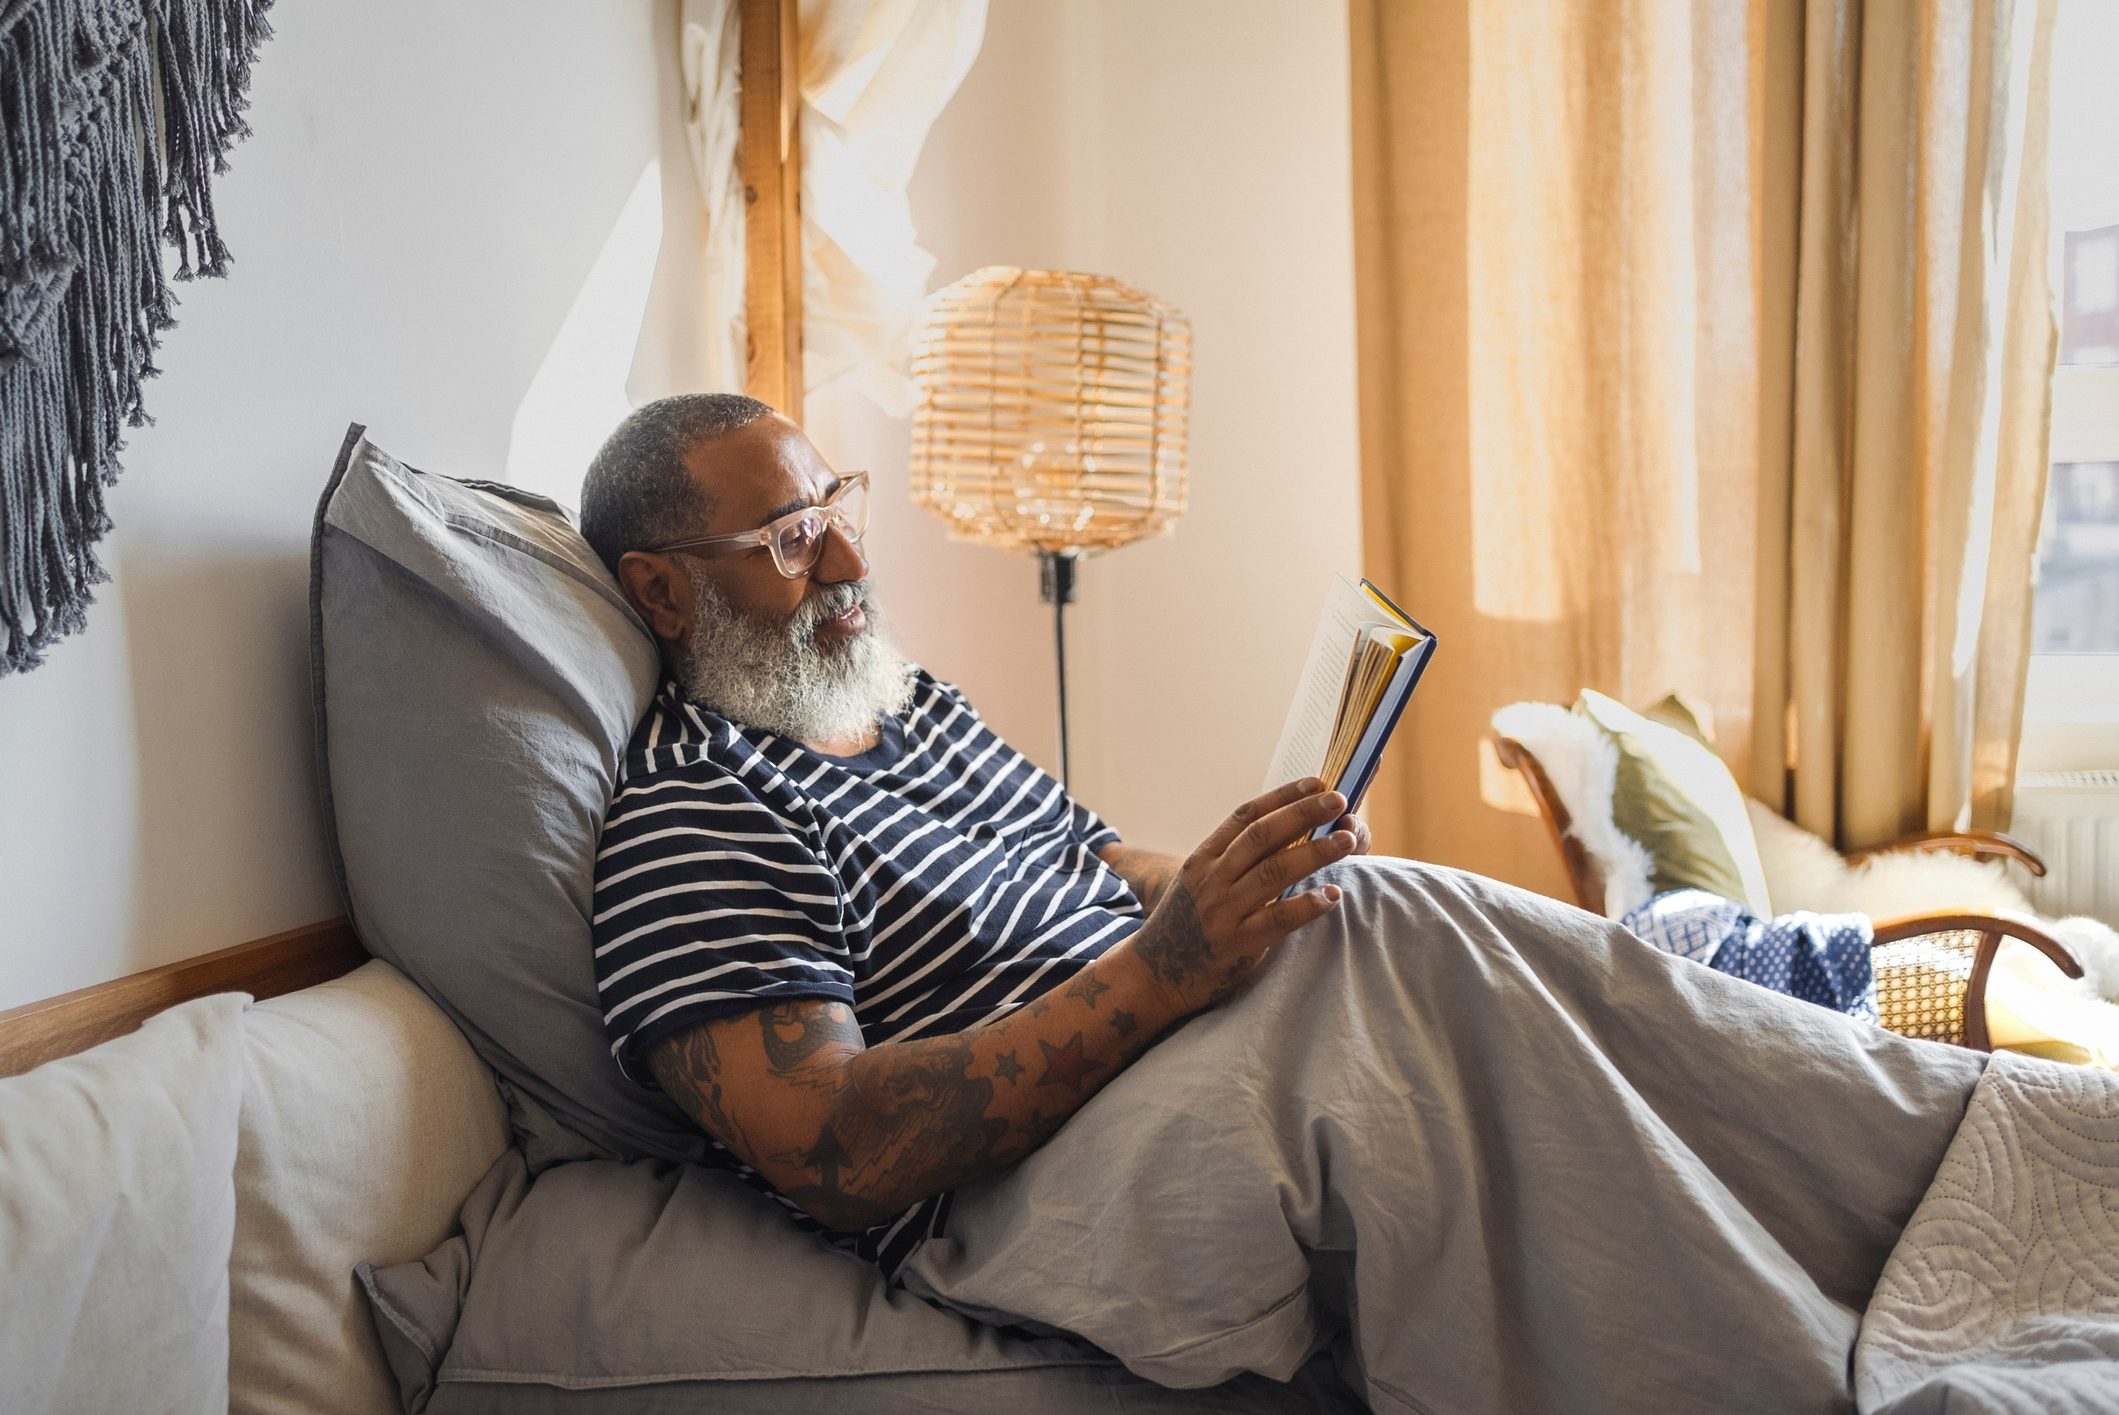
(655, 589)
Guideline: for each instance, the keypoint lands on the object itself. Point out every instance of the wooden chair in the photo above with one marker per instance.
(1931, 968)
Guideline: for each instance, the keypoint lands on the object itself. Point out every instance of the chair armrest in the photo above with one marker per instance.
(1976, 843)
(1583, 876)
(1992, 928)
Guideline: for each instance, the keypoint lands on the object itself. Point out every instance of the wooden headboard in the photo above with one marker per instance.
(769, 162)
(75, 1021)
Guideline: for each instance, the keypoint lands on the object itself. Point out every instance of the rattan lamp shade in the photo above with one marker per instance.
(1053, 410)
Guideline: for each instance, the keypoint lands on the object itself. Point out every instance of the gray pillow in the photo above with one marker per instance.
(476, 676)
(602, 1287)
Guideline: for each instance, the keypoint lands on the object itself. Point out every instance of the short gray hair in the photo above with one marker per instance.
(637, 492)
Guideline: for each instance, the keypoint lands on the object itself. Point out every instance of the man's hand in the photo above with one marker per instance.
(1224, 912)
(1149, 873)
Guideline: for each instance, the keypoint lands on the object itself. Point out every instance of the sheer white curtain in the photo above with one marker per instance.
(707, 56)
(875, 75)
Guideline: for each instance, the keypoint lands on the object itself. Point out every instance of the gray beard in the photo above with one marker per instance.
(779, 679)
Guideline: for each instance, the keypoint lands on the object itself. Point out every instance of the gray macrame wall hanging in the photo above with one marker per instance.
(114, 118)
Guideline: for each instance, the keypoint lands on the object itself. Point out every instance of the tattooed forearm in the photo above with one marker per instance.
(1067, 1065)
(688, 1067)
(914, 1119)
(1086, 988)
(856, 1135)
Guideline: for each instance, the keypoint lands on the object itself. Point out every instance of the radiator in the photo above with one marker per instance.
(2071, 818)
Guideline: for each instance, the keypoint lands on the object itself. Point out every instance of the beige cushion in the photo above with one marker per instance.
(116, 1206)
(365, 1121)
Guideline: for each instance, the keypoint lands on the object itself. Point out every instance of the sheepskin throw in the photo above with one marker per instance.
(114, 117)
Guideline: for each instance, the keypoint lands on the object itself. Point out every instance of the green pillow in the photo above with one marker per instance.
(1675, 798)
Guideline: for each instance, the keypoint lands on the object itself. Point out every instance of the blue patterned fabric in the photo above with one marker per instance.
(1820, 958)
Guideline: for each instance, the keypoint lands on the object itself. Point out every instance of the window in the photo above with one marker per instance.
(2093, 274)
(2071, 708)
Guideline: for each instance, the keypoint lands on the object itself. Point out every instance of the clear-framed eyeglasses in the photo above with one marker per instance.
(796, 539)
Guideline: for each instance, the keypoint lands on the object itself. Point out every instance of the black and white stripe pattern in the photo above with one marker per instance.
(933, 882)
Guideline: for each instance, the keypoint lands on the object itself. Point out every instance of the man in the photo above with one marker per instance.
(1492, 1152)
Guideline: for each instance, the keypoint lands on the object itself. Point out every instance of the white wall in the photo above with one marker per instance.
(1220, 177)
(449, 239)
(1200, 150)
(427, 189)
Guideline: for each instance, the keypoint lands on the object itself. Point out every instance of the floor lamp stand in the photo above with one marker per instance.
(1056, 584)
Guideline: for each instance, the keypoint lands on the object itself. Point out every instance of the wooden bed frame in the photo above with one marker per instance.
(768, 159)
(75, 1021)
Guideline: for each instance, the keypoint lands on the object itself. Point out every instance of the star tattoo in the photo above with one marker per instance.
(1007, 1067)
(1087, 988)
(1065, 1066)
(1123, 1022)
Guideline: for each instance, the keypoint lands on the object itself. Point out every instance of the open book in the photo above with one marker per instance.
(1363, 664)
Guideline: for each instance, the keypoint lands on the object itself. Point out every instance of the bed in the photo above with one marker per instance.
(385, 1162)
(408, 1176)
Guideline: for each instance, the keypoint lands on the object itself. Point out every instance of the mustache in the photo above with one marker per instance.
(824, 602)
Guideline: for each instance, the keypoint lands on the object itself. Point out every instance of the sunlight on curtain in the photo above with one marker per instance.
(1586, 297)
(1906, 685)
(1698, 350)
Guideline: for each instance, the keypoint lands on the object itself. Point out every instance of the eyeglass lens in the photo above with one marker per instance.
(801, 540)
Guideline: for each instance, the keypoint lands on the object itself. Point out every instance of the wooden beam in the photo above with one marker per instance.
(769, 162)
(60, 1026)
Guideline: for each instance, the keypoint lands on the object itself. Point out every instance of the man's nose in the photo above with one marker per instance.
(841, 560)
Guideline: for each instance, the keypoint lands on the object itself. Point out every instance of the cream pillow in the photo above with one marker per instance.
(117, 1203)
(1690, 776)
(366, 1119)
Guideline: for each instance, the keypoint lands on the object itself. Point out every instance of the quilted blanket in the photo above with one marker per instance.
(2002, 1295)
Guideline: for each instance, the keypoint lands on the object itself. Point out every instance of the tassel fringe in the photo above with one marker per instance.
(115, 115)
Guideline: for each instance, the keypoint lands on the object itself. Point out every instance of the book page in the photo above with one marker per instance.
(1306, 738)
(1361, 762)
(1384, 606)
(1382, 647)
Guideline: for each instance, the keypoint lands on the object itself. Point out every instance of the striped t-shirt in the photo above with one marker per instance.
(932, 882)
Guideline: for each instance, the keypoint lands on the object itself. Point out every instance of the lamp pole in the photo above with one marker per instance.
(1056, 583)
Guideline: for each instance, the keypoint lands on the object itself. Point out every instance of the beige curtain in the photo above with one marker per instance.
(1704, 347)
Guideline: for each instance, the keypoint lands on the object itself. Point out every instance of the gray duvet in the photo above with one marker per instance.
(1496, 1154)
(1469, 1149)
